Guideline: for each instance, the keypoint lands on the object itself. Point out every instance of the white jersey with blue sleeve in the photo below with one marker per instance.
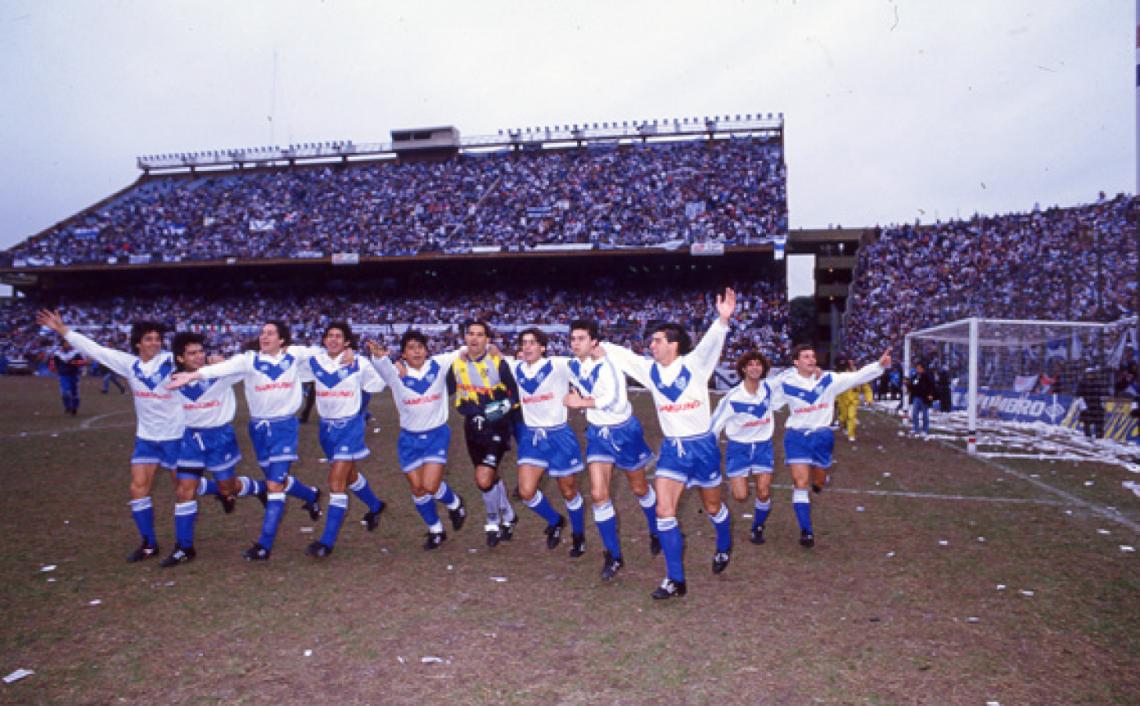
(811, 401)
(271, 382)
(209, 402)
(543, 386)
(339, 386)
(601, 381)
(420, 395)
(158, 410)
(746, 417)
(680, 390)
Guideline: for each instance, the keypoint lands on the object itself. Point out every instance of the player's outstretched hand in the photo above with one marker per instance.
(376, 350)
(885, 359)
(726, 305)
(51, 319)
(178, 380)
(347, 356)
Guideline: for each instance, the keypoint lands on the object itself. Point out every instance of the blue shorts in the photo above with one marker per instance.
(214, 449)
(554, 449)
(692, 460)
(343, 439)
(622, 445)
(415, 448)
(740, 458)
(164, 453)
(810, 447)
(274, 440)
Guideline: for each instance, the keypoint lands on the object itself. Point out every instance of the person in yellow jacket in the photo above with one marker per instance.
(847, 403)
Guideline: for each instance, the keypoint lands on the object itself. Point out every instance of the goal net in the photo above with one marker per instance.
(1028, 376)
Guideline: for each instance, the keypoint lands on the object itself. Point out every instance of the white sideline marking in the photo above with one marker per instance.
(85, 425)
(88, 423)
(933, 496)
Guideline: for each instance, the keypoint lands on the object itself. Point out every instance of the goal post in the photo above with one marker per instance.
(1026, 371)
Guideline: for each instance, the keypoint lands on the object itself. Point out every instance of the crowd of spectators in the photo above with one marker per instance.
(229, 321)
(599, 196)
(1075, 264)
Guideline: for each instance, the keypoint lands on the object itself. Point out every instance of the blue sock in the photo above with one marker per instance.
(801, 501)
(207, 486)
(142, 510)
(364, 494)
(184, 516)
(298, 489)
(606, 522)
(577, 512)
(250, 486)
(543, 508)
(722, 523)
(648, 504)
(334, 517)
(763, 508)
(673, 546)
(447, 496)
(425, 505)
(274, 509)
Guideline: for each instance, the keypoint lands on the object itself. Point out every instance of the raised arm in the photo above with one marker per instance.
(846, 381)
(628, 362)
(118, 361)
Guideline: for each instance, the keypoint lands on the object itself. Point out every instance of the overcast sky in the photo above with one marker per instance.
(894, 110)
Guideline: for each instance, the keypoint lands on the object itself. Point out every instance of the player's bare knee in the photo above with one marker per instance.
(600, 495)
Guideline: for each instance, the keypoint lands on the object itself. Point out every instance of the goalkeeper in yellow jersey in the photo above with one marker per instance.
(847, 403)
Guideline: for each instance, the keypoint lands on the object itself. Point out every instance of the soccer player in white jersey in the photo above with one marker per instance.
(613, 438)
(420, 394)
(158, 437)
(745, 415)
(271, 379)
(208, 444)
(677, 377)
(547, 444)
(808, 439)
(339, 402)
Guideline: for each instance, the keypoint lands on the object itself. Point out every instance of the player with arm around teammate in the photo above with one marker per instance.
(271, 380)
(340, 385)
(486, 396)
(419, 392)
(745, 415)
(547, 444)
(808, 438)
(208, 444)
(158, 437)
(677, 377)
(613, 438)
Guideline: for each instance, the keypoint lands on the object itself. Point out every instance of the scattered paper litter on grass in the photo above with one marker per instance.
(993, 703)
(982, 540)
(322, 460)
(1127, 548)
(973, 619)
(499, 579)
(1068, 512)
(746, 515)
(450, 567)
(306, 530)
(431, 660)
(890, 554)
(400, 659)
(1088, 483)
(1000, 587)
(51, 579)
(1034, 475)
(47, 567)
(1028, 594)
(1103, 531)
(375, 430)
(23, 433)
(886, 474)
(472, 551)
(17, 675)
(97, 601)
(54, 436)
(943, 542)
(859, 508)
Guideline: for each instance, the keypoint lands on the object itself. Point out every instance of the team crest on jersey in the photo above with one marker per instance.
(274, 370)
(334, 378)
(673, 390)
(531, 384)
(810, 396)
(757, 410)
(421, 385)
(196, 389)
(586, 382)
(154, 379)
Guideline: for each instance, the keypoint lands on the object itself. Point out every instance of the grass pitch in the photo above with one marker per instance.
(936, 578)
